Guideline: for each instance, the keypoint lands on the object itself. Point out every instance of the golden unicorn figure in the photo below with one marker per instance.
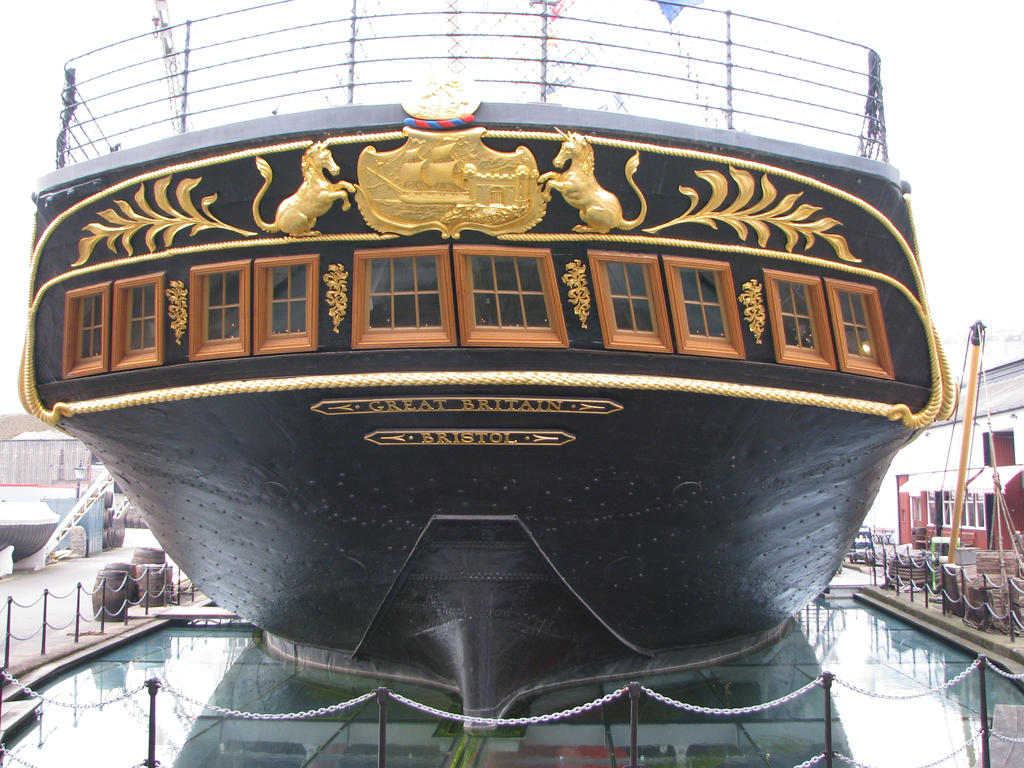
(297, 215)
(599, 209)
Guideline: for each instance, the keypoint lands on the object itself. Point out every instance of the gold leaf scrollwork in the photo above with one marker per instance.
(575, 278)
(336, 280)
(177, 308)
(125, 222)
(752, 299)
(759, 216)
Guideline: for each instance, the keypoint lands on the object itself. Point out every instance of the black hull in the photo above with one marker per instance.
(489, 568)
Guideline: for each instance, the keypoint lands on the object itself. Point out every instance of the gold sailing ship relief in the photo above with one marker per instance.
(449, 182)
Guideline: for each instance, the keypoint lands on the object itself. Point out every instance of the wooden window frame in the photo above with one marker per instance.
(265, 342)
(121, 358)
(365, 337)
(731, 345)
(198, 347)
(824, 355)
(881, 366)
(658, 340)
(554, 335)
(73, 365)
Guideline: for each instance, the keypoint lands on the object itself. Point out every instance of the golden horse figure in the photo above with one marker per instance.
(599, 209)
(297, 215)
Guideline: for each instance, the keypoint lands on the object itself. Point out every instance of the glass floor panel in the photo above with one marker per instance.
(226, 667)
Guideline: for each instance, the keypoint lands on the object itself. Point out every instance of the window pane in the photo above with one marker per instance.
(529, 274)
(505, 269)
(231, 322)
(695, 320)
(280, 283)
(635, 275)
(430, 310)
(708, 287)
(642, 313)
(623, 314)
(806, 333)
(426, 273)
(214, 324)
(405, 308)
(215, 289)
(380, 311)
(617, 278)
(380, 275)
(689, 284)
(790, 331)
(136, 296)
(97, 342)
(509, 310)
(134, 335)
(486, 309)
(716, 325)
(483, 273)
(800, 299)
(298, 281)
(297, 321)
(536, 311)
(149, 334)
(403, 275)
(279, 317)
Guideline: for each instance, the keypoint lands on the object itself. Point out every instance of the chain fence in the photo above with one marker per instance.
(987, 601)
(633, 691)
(109, 601)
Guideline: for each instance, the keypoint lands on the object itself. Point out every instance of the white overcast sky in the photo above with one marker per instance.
(951, 74)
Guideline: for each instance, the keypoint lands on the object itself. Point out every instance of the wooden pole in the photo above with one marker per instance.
(971, 402)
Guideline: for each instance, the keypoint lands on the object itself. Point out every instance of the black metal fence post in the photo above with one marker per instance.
(826, 683)
(1009, 610)
(382, 727)
(147, 590)
(103, 608)
(152, 685)
(127, 591)
(78, 610)
(7, 640)
(910, 571)
(46, 599)
(634, 717)
(985, 759)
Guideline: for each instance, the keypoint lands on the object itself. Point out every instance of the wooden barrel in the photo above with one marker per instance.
(149, 569)
(116, 576)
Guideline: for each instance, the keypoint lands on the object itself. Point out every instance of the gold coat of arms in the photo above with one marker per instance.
(449, 182)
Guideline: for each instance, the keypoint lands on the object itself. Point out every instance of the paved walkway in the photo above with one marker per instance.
(62, 580)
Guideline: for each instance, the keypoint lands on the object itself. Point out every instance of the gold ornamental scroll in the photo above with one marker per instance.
(449, 182)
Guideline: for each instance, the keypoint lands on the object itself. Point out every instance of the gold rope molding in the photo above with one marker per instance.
(896, 412)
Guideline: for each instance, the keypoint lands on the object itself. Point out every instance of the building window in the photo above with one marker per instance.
(800, 331)
(508, 297)
(402, 297)
(974, 510)
(704, 309)
(285, 298)
(138, 335)
(630, 301)
(85, 330)
(219, 311)
(1003, 445)
(861, 341)
(916, 513)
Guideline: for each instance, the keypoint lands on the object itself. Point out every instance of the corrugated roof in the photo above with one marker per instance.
(14, 424)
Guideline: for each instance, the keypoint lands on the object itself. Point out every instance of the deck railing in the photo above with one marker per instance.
(666, 60)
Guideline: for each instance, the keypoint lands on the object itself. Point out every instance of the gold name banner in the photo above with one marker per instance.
(465, 404)
(476, 437)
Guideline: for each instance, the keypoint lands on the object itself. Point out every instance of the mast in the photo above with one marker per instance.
(970, 404)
